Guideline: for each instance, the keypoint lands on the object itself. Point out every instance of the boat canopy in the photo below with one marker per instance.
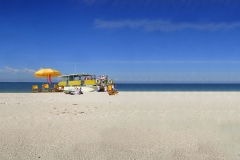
(73, 77)
(77, 75)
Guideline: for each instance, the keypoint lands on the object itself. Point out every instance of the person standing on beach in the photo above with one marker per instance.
(98, 88)
(113, 88)
(105, 88)
(80, 91)
(105, 85)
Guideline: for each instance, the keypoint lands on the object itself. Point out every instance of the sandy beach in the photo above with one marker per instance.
(131, 125)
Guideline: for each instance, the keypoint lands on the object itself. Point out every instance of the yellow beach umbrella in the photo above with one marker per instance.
(46, 72)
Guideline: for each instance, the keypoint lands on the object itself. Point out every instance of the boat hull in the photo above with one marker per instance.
(83, 88)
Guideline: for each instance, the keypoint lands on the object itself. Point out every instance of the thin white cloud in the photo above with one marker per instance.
(164, 26)
(9, 69)
(29, 70)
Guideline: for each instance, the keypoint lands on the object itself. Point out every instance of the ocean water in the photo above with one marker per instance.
(26, 87)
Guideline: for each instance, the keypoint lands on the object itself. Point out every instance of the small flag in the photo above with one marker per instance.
(49, 79)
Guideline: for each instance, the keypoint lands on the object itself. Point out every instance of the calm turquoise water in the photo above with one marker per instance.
(26, 87)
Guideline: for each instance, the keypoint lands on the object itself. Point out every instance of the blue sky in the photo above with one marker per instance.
(128, 40)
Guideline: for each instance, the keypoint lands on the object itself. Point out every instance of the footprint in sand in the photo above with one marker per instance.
(165, 113)
(120, 112)
(232, 113)
(134, 113)
(152, 113)
(53, 100)
(209, 112)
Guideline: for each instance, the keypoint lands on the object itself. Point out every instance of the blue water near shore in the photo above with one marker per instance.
(25, 87)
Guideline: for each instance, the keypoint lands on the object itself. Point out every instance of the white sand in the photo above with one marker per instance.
(131, 125)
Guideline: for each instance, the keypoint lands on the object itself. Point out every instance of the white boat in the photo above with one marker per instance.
(87, 82)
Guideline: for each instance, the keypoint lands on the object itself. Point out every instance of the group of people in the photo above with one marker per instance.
(102, 77)
(88, 78)
(107, 88)
(103, 80)
(77, 91)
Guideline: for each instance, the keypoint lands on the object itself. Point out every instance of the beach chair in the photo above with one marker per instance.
(58, 88)
(45, 88)
(35, 88)
(61, 89)
(55, 88)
